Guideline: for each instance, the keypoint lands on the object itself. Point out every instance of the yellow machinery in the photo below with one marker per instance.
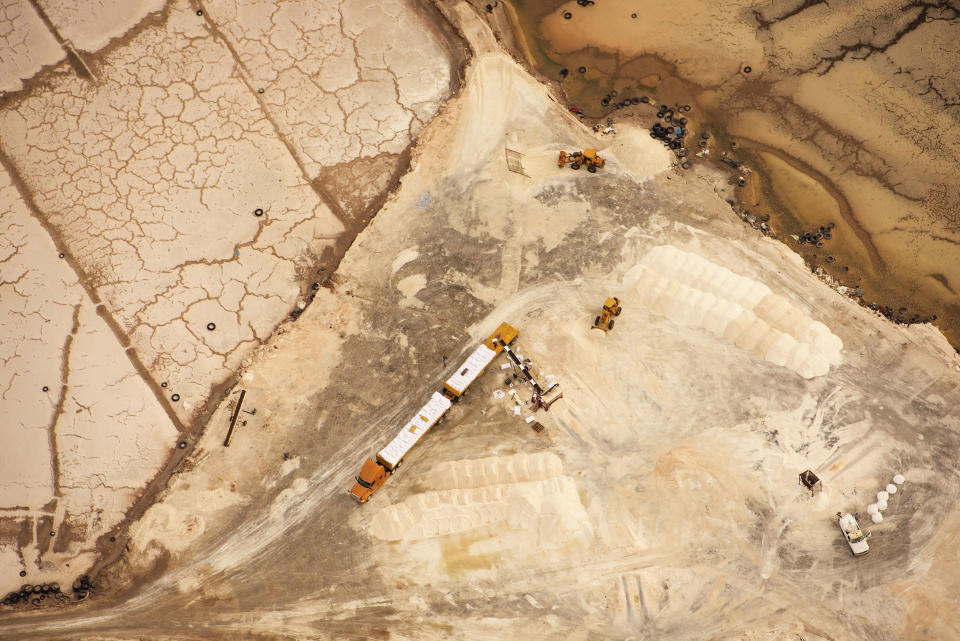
(611, 308)
(587, 157)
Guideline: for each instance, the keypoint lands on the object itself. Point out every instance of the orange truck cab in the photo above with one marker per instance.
(371, 477)
(505, 333)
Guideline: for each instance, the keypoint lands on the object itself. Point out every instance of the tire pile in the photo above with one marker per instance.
(37, 594)
(819, 237)
(672, 131)
(899, 316)
(626, 102)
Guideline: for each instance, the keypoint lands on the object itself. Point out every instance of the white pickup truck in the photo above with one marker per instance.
(856, 539)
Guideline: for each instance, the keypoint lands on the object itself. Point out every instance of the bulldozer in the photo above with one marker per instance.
(611, 308)
(577, 159)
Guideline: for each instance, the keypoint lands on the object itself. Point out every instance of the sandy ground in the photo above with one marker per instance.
(162, 214)
(856, 99)
(661, 501)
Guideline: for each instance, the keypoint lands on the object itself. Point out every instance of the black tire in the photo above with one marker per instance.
(581, 69)
(567, 15)
(617, 313)
(705, 135)
(596, 323)
(610, 325)
(685, 164)
(574, 166)
(827, 235)
(702, 143)
(645, 100)
(591, 169)
(747, 69)
(819, 244)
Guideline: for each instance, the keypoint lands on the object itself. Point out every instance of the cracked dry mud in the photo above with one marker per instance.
(189, 210)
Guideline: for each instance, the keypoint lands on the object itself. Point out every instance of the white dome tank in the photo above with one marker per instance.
(882, 496)
(891, 489)
(898, 479)
(877, 517)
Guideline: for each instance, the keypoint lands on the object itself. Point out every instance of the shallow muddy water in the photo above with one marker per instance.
(843, 113)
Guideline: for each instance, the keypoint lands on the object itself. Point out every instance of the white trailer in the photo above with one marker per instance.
(467, 373)
(415, 429)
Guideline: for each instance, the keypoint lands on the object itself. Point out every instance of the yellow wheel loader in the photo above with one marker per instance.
(611, 308)
(587, 158)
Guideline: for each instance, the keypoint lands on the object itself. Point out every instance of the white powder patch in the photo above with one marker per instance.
(488, 491)
(694, 292)
(410, 285)
(404, 257)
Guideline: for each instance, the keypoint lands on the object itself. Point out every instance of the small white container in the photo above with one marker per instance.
(891, 489)
(898, 479)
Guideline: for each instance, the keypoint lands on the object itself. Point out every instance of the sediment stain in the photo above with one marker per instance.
(857, 107)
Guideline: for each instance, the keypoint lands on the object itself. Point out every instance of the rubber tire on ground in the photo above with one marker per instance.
(591, 169)
(610, 324)
(685, 165)
(574, 166)
(567, 15)
(617, 313)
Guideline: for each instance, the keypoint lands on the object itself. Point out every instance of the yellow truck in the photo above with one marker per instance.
(374, 472)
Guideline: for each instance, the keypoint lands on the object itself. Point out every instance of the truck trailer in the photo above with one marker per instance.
(374, 472)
